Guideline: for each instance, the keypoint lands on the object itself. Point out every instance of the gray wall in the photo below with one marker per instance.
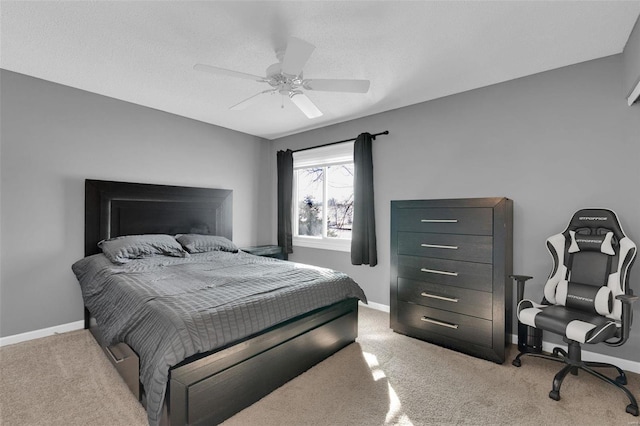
(631, 57)
(553, 142)
(53, 137)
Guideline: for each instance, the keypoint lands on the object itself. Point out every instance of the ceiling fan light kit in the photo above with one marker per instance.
(286, 78)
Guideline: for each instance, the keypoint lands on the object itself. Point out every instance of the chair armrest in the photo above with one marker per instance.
(627, 300)
(521, 280)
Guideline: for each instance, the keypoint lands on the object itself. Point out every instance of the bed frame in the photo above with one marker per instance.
(208, 388)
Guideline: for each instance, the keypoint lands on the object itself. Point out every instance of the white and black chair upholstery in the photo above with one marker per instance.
(587, 298)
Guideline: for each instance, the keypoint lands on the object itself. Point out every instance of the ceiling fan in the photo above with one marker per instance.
(285, 77)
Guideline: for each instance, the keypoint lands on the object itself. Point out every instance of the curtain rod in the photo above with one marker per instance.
(386, 132)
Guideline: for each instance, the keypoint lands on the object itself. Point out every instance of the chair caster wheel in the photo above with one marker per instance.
(516, 362)
(555, 395)
(632, 409)
(621, 380)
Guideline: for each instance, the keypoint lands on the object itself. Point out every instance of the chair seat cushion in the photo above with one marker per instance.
(580, 326)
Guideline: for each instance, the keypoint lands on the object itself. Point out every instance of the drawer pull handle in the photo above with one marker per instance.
(116, 359)
(439, 220)
(435, 271)
(443, 324)
(439, 246)
(435, 296)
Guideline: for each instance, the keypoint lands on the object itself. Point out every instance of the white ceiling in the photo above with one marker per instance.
(144, 52)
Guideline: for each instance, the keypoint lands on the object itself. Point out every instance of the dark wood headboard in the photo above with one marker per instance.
(113, 209)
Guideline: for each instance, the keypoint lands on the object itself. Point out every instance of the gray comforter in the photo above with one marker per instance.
(168, 309)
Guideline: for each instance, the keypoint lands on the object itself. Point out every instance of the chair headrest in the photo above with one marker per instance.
(595, 222)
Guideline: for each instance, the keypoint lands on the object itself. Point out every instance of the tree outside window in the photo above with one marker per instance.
(324, 201)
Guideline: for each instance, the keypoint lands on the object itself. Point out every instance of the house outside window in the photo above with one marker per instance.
(323, 197)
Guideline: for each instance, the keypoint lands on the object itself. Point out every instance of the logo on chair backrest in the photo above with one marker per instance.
(592, 218)
(586, 240)
(581, 298)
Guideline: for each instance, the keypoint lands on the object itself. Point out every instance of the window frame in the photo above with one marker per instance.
(323, 157)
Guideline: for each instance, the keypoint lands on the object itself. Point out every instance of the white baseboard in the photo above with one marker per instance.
(625, 364)
(376, 306)
(36, 334)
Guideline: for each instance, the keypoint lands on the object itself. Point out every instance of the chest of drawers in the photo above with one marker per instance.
(450, 267)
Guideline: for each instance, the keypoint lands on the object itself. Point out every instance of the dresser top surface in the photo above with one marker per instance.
(489, 202)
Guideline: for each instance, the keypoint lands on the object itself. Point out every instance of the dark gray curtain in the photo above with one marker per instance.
(285, 193)
(363, 236)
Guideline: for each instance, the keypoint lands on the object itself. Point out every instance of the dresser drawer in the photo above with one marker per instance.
(475, 276)
(474, 221)
(446, 297)
(461, 327)
(470, 248)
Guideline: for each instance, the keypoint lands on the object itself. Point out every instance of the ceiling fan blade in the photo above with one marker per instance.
(336, 85)
(306, 106)
(230, 73)
(297, 54)
(249, 101)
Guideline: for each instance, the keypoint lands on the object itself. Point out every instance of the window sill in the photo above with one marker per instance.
(323, 243)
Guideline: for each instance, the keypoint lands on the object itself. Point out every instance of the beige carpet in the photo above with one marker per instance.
(63, 380)
(384, 378)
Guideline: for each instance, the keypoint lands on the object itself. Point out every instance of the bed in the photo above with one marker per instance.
(210, 386)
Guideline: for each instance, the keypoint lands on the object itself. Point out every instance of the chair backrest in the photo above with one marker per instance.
(592, 259)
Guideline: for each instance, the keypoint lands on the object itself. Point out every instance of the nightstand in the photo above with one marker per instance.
(266, 251)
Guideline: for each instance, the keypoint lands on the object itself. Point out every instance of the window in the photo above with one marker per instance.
(323, 197)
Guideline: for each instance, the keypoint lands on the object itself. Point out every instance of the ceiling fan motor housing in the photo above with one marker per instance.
(285, 84)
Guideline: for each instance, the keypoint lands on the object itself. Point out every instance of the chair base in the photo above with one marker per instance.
(574, 363)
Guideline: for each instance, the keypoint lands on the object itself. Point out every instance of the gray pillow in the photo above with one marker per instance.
(197, 243)
(124, 249)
